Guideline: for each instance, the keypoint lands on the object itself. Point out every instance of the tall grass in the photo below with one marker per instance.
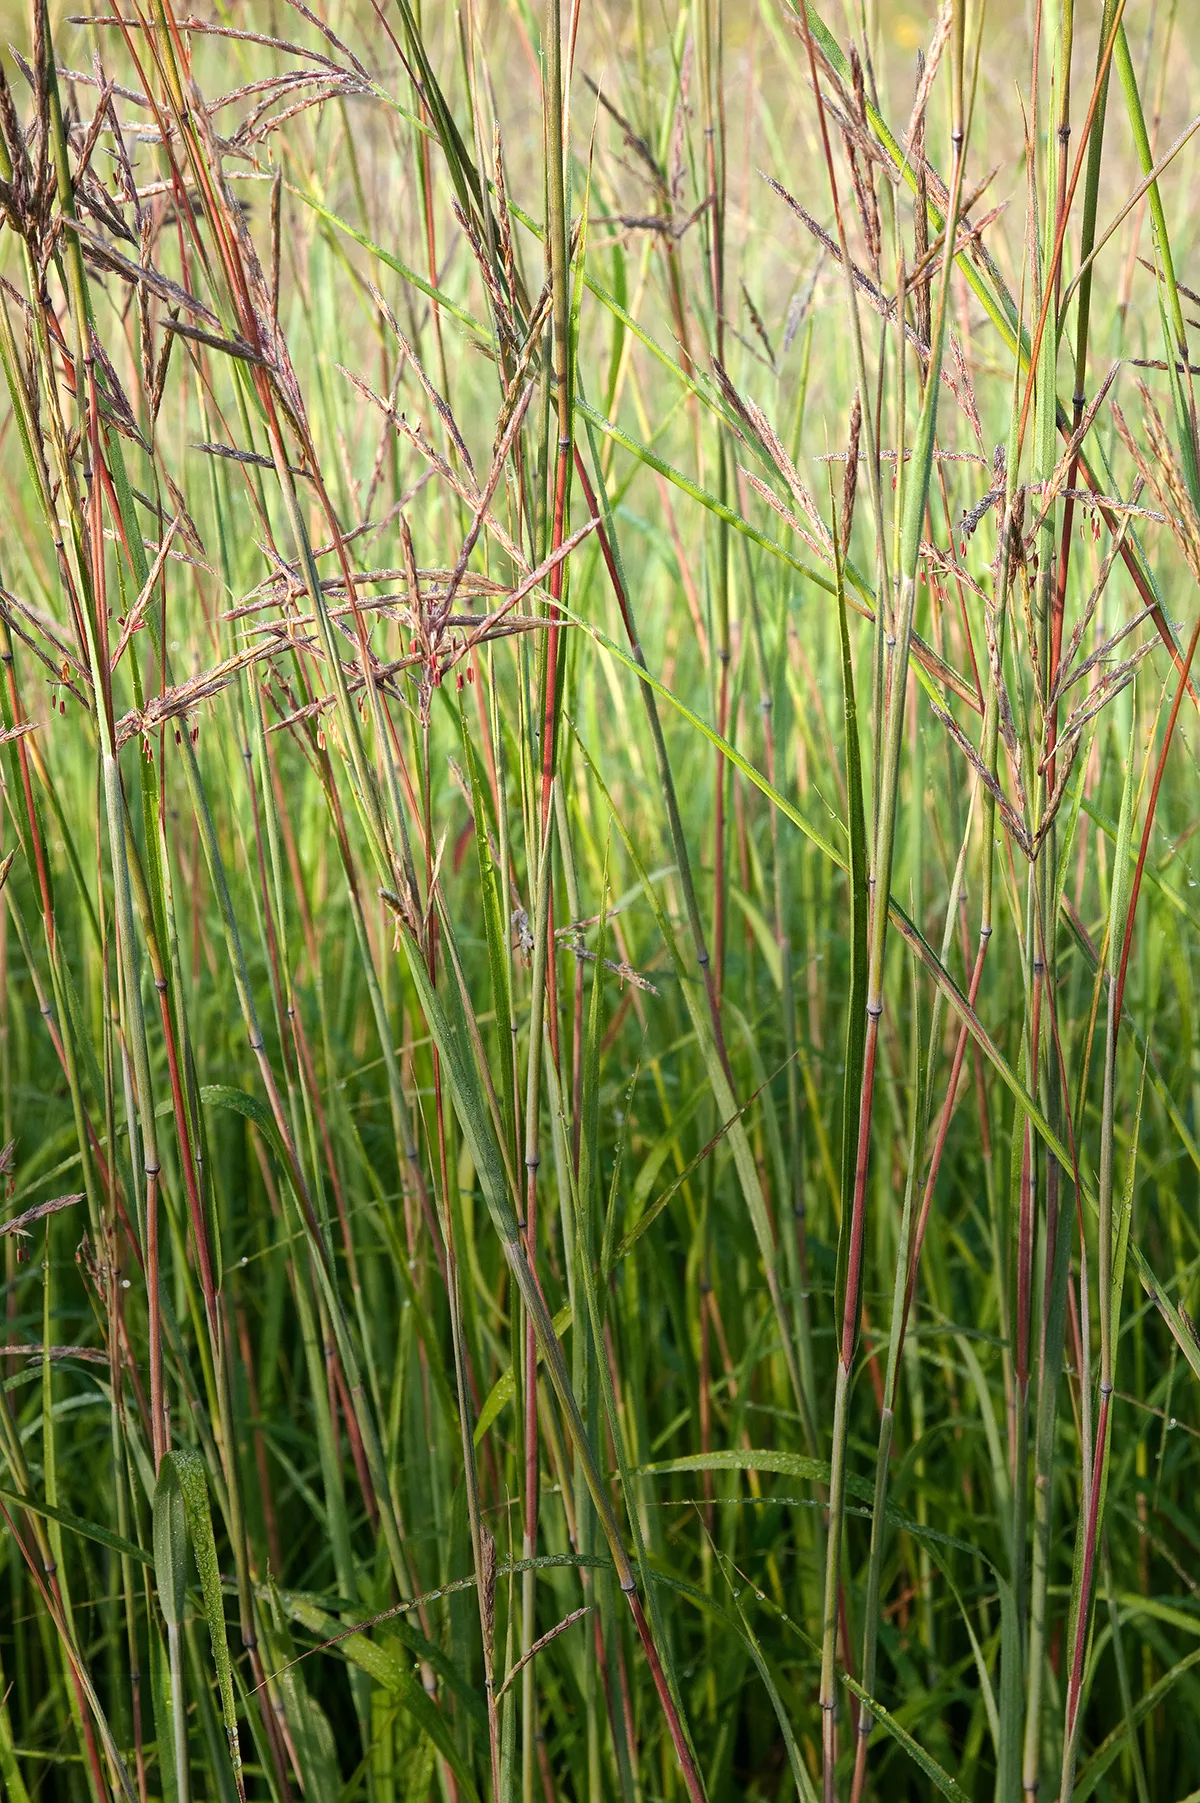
(598, 1051)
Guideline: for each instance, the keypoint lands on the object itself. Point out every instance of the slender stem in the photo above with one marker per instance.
(847, 1328)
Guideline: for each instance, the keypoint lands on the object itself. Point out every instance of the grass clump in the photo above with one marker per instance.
(598, 1054)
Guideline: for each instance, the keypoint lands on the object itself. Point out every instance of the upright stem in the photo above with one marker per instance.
(914, 502)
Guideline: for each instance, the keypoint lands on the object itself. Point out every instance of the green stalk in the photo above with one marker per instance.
(1120, 938)
(530, 1489)
(854, 1222)
(887, 627)
(1056, 1234)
